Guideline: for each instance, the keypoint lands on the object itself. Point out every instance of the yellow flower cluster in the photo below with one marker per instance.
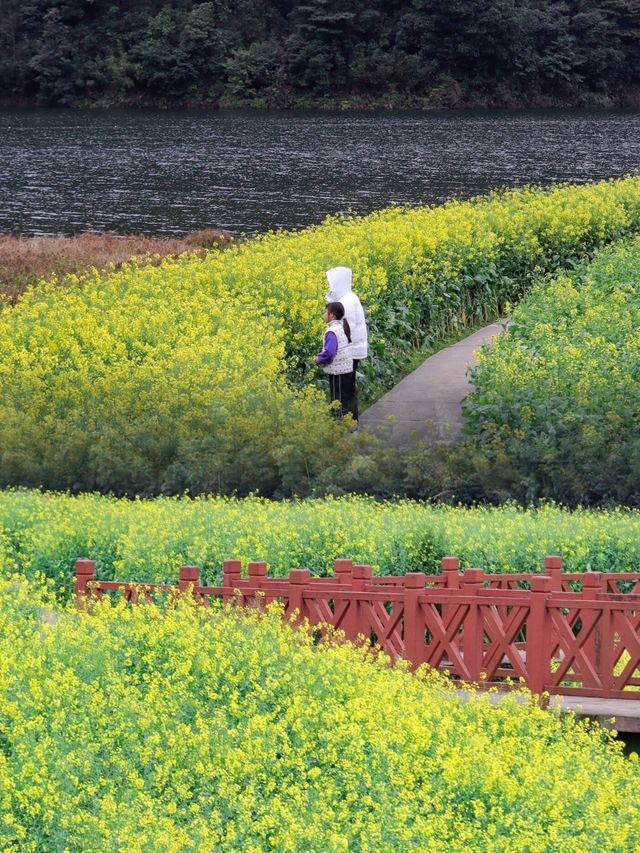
(150, 729)
(150, 540)
(145, 381)
(558, 395)
(175, 376)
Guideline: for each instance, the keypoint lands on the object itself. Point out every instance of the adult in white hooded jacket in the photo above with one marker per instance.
(340, 290)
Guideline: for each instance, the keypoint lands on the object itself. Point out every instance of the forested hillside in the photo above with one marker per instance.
(320, 52)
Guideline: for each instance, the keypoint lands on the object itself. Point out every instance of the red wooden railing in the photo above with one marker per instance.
(568, 633)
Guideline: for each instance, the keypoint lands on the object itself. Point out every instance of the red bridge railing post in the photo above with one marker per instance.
(361, 574)
(600, 646)
(473, 634)
(451, 575)
(538, 644)
(553, 570)
(298, 581)
(85, 574)
(451, 572)
(354, 623)
(257, 571)
(414, 623)
(257, 578)
(231, 576)
(188, 578)
(343, 571)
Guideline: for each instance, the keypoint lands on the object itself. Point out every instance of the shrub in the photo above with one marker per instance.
(107, 388)
(168, 730)
(557, 398)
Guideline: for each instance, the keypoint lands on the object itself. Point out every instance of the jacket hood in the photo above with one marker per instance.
(339, 279)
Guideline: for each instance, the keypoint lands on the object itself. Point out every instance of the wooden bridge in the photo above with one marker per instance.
(575, 635)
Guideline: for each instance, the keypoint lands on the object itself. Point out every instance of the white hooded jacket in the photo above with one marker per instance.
(339, 279)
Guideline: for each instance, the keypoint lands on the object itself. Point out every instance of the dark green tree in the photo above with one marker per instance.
(67, 52)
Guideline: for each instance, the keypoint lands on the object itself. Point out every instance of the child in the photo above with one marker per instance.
(335, 358)
(340, 290)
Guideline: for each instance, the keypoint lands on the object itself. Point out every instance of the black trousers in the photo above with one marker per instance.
(352, 403)
(343, 389)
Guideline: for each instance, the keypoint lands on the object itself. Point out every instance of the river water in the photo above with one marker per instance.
(170, 172)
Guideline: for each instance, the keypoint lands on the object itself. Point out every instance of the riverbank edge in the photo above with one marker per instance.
(451, 98)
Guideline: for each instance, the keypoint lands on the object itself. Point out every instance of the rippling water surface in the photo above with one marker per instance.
(172, 172)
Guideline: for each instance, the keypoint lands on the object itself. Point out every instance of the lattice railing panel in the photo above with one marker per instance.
(562, 633)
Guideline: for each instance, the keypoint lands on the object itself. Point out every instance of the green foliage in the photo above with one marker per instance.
(251, 70)
(148, 540)
(282, 52)
(557, 398)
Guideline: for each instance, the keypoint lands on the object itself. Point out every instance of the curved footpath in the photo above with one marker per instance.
(427, 404)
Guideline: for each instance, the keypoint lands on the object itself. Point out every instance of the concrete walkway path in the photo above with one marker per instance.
(623, 715)
(427, 403)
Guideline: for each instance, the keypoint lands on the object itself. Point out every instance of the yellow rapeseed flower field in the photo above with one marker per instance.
(149, 729)
(557, 398)
(41, 535)
(171, 728)
(198, 373)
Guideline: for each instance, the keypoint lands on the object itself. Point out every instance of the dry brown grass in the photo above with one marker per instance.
(26, 260)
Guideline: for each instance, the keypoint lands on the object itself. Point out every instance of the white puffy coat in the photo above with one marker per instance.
(339, 279)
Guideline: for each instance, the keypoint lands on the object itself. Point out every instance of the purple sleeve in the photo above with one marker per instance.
(329, 349)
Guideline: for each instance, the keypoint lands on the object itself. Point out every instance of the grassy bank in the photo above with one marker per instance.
(26, 260)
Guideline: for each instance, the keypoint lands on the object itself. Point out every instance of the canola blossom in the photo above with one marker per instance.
(41, 536)
(198, 373)
(178, 729)
(557, 398)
